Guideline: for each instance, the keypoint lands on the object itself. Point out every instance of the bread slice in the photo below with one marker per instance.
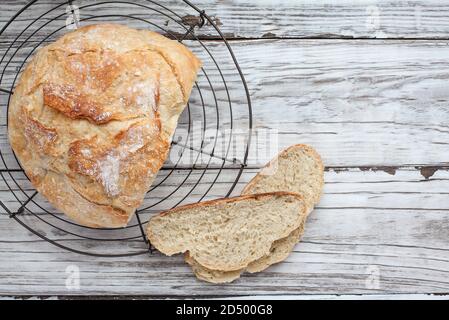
(299, 169)
(228, 234)
(279, 250)
(209, 275)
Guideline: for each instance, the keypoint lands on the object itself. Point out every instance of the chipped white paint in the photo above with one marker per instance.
(293, 18)
(360, 103)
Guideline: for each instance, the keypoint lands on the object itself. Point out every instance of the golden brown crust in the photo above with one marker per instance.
(75, 105)
(180, 60)
(57, 190)
(101, 86)
(41, 136)
(92, 117)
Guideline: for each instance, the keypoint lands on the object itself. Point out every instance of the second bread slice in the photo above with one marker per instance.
(299, 169)
(228, 234)
(278, 252)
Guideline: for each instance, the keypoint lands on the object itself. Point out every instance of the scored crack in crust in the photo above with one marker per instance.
(92, 118)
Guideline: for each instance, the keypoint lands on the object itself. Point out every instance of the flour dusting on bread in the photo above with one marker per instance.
(97, 109)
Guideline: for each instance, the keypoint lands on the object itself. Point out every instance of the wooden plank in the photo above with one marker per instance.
(367, 224)
(348, 297)
(376, 110)
(360, 103)
(273, 297)
(275, 19)
(392, 193)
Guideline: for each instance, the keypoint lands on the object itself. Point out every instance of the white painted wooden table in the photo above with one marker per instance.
(366, 83)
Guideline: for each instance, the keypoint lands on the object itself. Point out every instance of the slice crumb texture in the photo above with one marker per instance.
(298, 169)
(228, 234)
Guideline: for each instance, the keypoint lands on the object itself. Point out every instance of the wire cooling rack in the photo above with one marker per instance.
(210, 147)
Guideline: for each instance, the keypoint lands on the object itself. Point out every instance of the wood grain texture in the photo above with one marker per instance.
(380, 19)
(375, 109)
(360, 103)
(396, 225)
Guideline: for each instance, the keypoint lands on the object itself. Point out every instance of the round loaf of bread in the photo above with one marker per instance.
(92, 116)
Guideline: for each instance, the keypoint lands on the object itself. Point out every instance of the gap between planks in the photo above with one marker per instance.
(355, 296)
(426, 171)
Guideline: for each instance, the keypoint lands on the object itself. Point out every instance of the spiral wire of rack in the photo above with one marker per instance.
(213, 105)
